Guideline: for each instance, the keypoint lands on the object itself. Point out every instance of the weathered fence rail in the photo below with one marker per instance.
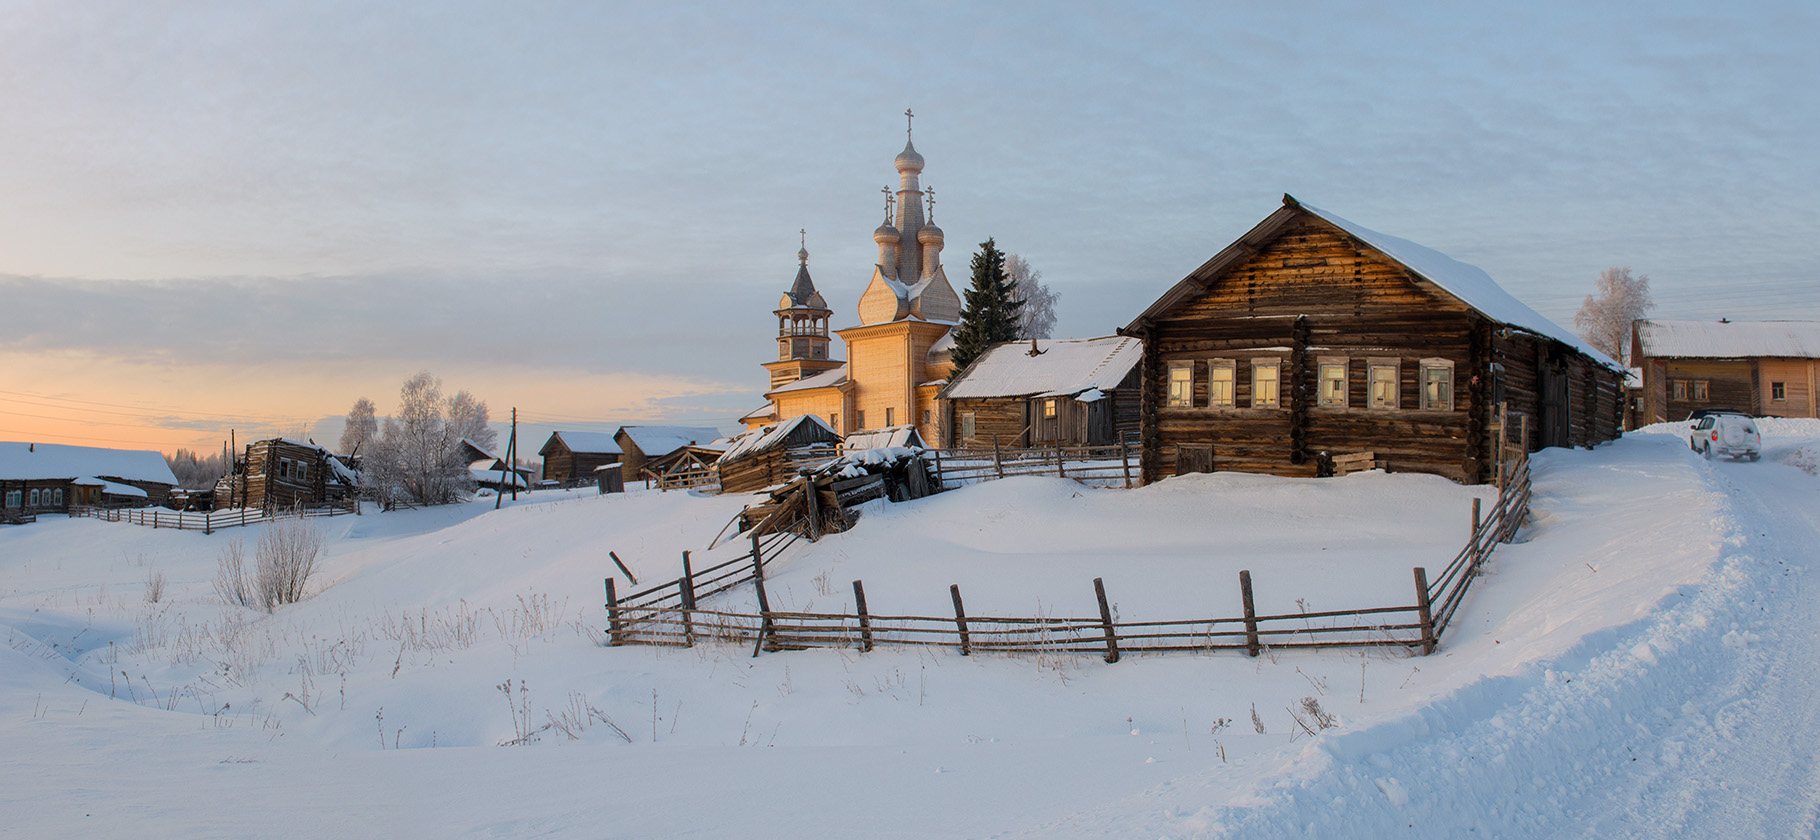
(1107, 465)
(212, 521)
(669, 614)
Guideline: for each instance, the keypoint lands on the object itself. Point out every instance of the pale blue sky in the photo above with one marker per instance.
(257, 212)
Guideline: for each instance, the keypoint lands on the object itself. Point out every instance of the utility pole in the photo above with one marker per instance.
(512, 453)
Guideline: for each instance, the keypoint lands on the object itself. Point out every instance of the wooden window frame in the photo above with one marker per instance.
(56, 497)
(1049, 408)
(969, 425)
(34, 498)
(1703, 390)
(859, 419)
(1231, 369)
(1322, 365)
(1372, 366)
(1677, 389)
(890, 418)
(834, 421)
(1184, 396)
(1422, 398)
(15, 498)
(1275, 379)
(1778, 392)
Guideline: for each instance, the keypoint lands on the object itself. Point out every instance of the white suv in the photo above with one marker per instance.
(1733, 435)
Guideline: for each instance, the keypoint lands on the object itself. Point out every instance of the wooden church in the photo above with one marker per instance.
(1312, 338)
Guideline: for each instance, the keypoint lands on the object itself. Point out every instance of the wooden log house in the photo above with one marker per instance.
(640, 444)
(1045, 392)
(1765, 368)
(49, 478)
(1312, 339)
(277, 474)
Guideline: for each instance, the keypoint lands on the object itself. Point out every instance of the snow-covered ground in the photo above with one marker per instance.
(1639, 663)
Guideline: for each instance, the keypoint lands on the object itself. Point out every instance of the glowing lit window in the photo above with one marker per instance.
(1266, 379)
(1220, 375)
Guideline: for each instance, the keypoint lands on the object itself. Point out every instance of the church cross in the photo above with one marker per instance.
(908, 121)
(931, 193)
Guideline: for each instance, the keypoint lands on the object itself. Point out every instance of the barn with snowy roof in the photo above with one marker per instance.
(1044, 392)
(569, 457)
(1312, 338)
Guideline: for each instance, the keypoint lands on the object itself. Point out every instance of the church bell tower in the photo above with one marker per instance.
(802, 328)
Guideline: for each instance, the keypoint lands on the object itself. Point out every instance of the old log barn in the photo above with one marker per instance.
(49, 478)
(1766, 368)
(1045, 392)
(569, 457)
(774, 454)
(643, 443)
(277, 474)
(1313, 338)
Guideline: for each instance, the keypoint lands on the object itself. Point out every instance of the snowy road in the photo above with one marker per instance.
(1746, 741)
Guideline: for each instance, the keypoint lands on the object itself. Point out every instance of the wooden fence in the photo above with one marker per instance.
(211, 521)
(668, 613)
(1107, 466)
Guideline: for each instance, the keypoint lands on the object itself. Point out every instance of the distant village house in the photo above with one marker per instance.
(1766, 368)
(1044, 392)
(50, 478)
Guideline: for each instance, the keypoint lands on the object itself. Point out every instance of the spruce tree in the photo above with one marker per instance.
(990, 313)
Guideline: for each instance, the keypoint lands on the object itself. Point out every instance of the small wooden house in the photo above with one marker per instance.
(774, 454)
(1312, 338)
(1045, 392)
(608, 480)
(49, 478)
(570, 458)
(1766, 368)
(277, 474)
(643, 443)
(490, 471)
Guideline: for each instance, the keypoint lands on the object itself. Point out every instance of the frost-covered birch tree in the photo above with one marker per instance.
(361, 428)
(1604, 319)
(1037, 318)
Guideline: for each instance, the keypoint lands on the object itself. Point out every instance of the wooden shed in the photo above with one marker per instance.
(642, 443)
(1766, 368)
(774, 454)
(1312, 338)
(1043, 392)
(571, 457)
(276, 474)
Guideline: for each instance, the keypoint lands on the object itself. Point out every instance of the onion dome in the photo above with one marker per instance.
(908, 160)
(886, 234)
(929, 235)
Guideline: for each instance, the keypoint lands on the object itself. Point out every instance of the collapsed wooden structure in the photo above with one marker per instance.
(774, 454)
(277, 474)
(1312, 338)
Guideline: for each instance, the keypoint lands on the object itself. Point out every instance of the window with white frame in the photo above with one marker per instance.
(1220, 376)
(967, 424)
(34, 497)
(1266, 379)
(57, 497)
(1437, 384)
(15, 498)
(1181, 384)
(1381, 383)
(1332, 382)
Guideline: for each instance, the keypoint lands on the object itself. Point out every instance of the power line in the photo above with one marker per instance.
(153, 409)
(41, 435)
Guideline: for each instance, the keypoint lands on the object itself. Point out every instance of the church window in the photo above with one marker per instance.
(1220, 374)
(859, 418)
(834, 422)
(925, 417)
(1181, 384)
(34, 497)
(889, 416)
(57, 496)
(1333, 383)
(1265, 378)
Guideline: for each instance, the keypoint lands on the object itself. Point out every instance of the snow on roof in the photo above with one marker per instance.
(663, 440)
(478, 448)
(764, 437)
(593, 443)
(820, 380)
(1064, 367)
(55, 460)
(890, 437)
(510, 478)
(112, 488)
(1730, 339)
(1467, 282)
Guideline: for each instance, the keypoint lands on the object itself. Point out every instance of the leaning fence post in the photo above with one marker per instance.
(1475, 518)
(1125, 460)
(1112, 639)
(622, 568)
(865, 619)
(1251, 613)
(764, 604)
(1423, 611)
(960, 619)
(612, 615)
(996, 463)
(686, 593)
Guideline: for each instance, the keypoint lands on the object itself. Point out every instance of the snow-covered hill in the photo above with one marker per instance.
(1636, 665)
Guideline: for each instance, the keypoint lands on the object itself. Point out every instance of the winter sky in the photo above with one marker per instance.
(245, 215)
